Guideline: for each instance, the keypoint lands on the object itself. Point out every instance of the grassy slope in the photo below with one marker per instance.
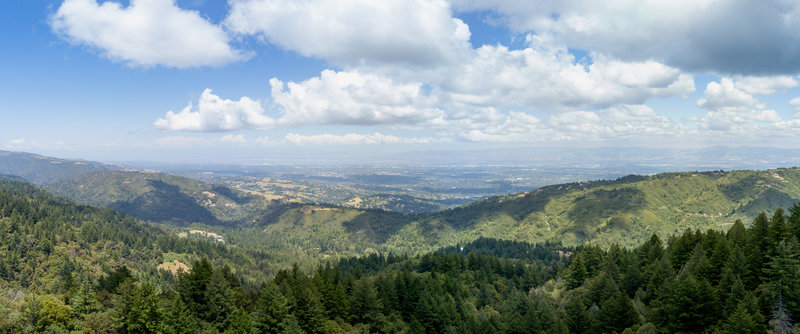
(623, 211)
(161, 197)
(41, 170)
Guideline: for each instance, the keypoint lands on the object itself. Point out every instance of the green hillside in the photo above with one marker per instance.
(162, 197)
(44, 237)
(624, 211)
(42, 170)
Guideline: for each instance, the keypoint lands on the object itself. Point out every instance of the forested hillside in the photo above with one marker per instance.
(48, 243)
(162, 197)
(626, 211)
(744, 280)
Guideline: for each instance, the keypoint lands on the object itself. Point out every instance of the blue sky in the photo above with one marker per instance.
(214, 81)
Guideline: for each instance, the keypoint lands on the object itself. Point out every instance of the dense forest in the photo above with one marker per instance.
(72, 268)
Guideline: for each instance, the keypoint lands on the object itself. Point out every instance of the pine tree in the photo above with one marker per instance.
(689, 306)
(272, 313)
(83, 301)
(219, 307)
(576, 273)
(783, 276)
(578, 318)
(309, 310)
(178, 319)
(793, 221)
(136, 309)
(192, 286)
(366, 307)
(616, 314)
(741, 322)
(240, 323)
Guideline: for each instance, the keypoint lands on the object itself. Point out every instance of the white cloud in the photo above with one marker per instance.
(352, 32)
(725, 95)
(352, 98)
(765, 85)
(723, 36)
(732, 110)
(333, 98)
(546, 77)
(351, 139)
(145, 33)
(233, 139)
(216, 114)
(795, 102)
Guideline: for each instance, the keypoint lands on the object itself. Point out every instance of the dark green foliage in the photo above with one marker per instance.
(601, 204)
(272, 313)
(178, 319)
(616, 314)
(165, 202)
(136, 309)
(742, 281)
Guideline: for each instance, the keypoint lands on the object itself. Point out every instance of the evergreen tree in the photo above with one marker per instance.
(240, 323)
(272, 313)
(689, 306)
(576, 273)
(83, 301)
(616, 314)
(136, 309)
(219, 301)
(741, 322)
(178, 319)
(366, 307)
(783, 277)
(192, 287)
(309, 310)
(578, 318)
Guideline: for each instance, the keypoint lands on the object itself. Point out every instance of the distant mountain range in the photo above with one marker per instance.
(42, 170)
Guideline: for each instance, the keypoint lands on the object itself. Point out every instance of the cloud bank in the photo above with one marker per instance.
(144, 34)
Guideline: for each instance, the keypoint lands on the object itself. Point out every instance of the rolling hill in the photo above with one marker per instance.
(40, 169)
(625, 211)
(161, 197)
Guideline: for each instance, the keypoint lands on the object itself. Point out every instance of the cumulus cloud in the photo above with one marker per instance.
(351, 139)
(213, 113)
(706, 35)
(333, 98)
(725, 95)
(546, 76)
(352, 98)
(733, 110)
(145, 33)
(765, 85)
(351, 32)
